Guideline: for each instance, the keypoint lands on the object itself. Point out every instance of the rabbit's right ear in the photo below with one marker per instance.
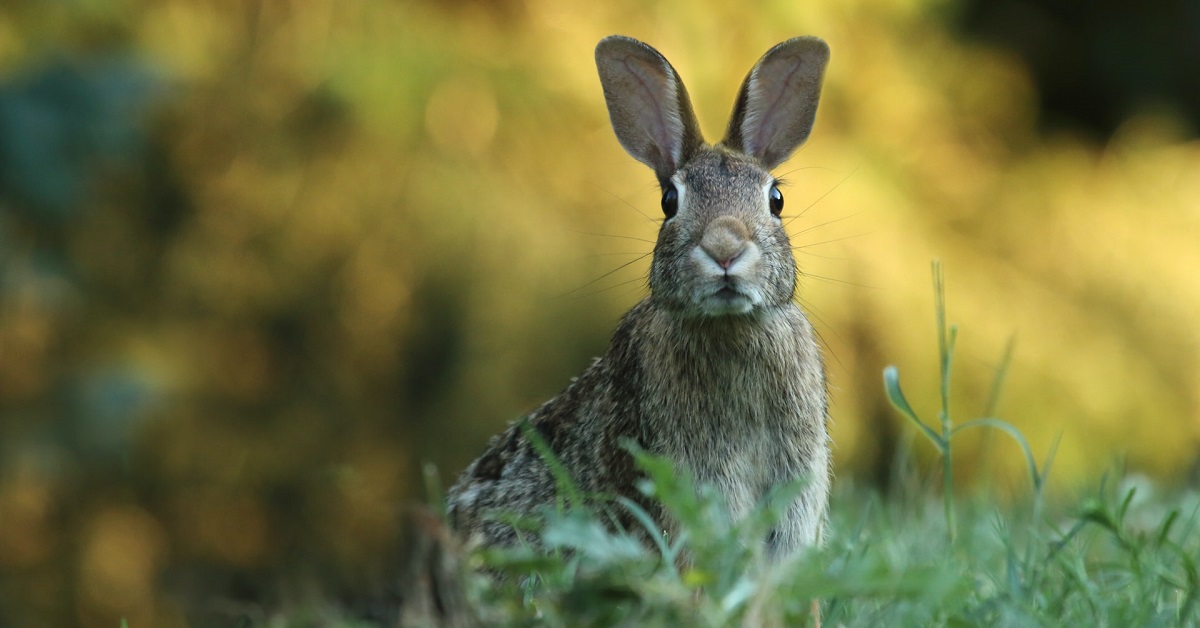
(777, 104)
(648, 105)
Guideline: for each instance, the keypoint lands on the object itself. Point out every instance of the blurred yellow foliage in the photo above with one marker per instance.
(383, 229)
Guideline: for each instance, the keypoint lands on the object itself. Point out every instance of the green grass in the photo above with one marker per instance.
(1123, 553)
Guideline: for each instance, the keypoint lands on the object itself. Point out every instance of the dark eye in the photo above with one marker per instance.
(670, 201)
(776, 200)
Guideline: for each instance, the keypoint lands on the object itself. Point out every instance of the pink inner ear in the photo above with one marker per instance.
(779, 101)
(762, 123)
(656, 100)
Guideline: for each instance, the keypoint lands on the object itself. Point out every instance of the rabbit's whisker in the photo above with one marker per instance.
(642, 253)
(824, 224)
(609, 235)
(640, 278)
(601, 277)
(857, 235)
(822, 197)
(800, 249)
(816, 314)
(631, 206)
(837, 281)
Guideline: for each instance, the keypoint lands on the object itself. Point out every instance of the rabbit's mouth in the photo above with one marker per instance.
(727, 299)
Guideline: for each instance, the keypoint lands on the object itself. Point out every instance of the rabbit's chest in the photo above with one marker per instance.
(743, 443)
(740, 407)
(741, 466)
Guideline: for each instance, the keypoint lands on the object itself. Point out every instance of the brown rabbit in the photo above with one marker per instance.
(718, 369)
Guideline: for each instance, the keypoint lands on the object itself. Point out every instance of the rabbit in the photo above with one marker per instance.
(718, 369)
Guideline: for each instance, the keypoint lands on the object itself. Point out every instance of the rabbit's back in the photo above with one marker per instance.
(584, 428)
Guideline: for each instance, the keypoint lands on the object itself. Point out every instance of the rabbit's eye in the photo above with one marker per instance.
(670, 201)
(776, 199)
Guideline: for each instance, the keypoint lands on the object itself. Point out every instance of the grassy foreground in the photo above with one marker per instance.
(1123, 553)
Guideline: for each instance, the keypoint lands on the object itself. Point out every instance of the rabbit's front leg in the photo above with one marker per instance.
(804, 522)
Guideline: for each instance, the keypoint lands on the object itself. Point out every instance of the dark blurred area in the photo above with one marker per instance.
(1096, 64)
(230, 331)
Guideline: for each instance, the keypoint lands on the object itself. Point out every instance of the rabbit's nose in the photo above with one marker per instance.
(724, 240)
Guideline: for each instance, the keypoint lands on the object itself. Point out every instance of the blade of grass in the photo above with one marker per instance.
(566, 486)
(946, 341)
(891, 385)
(1016, 435)
(654, 531)
(993, 400)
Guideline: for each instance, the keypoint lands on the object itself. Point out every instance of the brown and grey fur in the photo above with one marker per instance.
(718, 369)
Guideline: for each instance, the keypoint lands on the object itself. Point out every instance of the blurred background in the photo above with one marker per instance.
(261, 260)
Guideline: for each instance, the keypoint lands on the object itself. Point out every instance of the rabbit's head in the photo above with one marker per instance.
(722, 248)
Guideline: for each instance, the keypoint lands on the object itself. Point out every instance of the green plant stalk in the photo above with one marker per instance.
(947, 336)
(985, 462)
(945, 353)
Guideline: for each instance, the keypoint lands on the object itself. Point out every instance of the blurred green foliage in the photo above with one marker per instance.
(260, 260)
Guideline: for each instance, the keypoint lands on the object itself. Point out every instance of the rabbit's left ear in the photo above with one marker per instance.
(777, 104)
(648, 105)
